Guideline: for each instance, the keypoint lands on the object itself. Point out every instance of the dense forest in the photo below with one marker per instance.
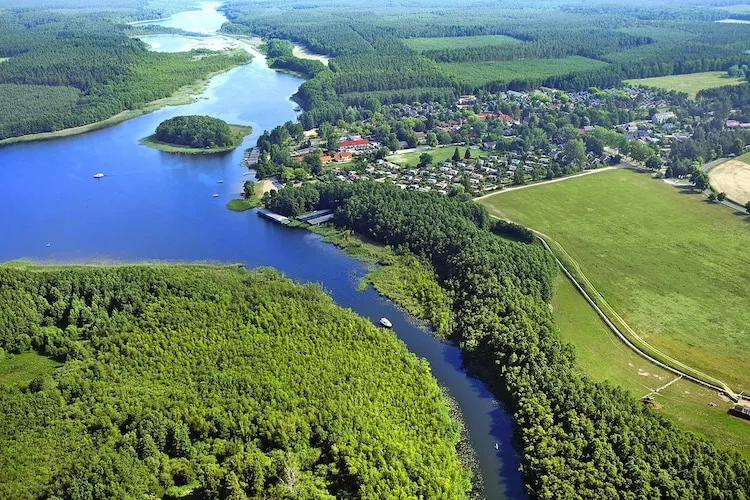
(65, 70)
(579, 438)
(226, 383)
(371, 60)
(196, 132)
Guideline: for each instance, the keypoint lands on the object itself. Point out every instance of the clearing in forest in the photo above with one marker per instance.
(673, 265)
(691, 83)
(482, 73)
(459, 42)
(733, 178)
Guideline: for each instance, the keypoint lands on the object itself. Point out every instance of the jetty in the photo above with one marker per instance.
(252, 157)
(274, 217)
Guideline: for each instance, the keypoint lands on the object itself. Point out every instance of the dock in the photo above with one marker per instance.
(252, 157)
(274, 217)
(316, 217)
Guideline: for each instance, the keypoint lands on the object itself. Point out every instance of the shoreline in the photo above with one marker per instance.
(185, 95)
(240, 132)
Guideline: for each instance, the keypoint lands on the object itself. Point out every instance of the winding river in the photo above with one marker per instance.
(153, 206)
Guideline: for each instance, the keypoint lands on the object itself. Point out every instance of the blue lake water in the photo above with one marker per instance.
(153, 205)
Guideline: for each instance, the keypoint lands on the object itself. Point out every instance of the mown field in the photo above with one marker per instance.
(603, 357)
(458, 42)
(23, 368)
(691, 83)
(482, 73)
(438, 154)
(733, 178)
(673, 265)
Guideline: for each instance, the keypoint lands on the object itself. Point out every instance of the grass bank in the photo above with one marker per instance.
(603, 357)
(239, 131)
(672, 265)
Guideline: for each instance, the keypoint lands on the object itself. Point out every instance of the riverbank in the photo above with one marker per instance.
(187, 94)
(240, 132)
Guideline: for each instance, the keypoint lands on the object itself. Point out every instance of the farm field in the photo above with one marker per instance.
(674, 266)
(482, 73)
(438, 154)
(736, 9)
(733, 178)
(691, 83)
(603, 357)
(458, 42)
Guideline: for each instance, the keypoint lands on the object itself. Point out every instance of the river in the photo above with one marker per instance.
(154, 206)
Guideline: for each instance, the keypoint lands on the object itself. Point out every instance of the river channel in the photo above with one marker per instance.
(156, 206)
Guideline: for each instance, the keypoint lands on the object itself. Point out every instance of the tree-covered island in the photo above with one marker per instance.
(196, 135)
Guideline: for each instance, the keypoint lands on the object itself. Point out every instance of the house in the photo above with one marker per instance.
(660, 118)
(354, 144)
(741, 411)
(733, 124)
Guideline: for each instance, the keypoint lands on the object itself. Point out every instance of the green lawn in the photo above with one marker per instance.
(481, 73)
(691, 83)
(438, 154)
(23, 368)
(458, 42)
(674, 266)
(3, 59)
(603, 357)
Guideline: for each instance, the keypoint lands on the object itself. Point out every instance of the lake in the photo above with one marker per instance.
(154, 206)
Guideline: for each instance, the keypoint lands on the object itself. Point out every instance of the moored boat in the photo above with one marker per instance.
(386, 322)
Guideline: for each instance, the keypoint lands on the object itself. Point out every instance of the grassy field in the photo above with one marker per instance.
(240, 132)
(23, 368)
(458, 42)
(481, 73)
(736, 9)
(438, 154)
(603, 357)
(691, 83)
(673, 265)
(3, 59)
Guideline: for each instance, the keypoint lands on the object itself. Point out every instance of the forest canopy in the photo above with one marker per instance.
(196, 132)
(227, 383)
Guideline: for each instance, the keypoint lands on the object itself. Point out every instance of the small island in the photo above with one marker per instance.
(196, 135)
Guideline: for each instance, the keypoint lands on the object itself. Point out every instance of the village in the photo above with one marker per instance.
(485, 142)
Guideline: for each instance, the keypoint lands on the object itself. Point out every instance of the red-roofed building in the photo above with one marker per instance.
(354, 145)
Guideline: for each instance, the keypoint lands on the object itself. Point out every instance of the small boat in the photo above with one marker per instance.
(220, 182)
(386, 323)
(497, 446)
(98, 176)
(49, 244)
(214, 195)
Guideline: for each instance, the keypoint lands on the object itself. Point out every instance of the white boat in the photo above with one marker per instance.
(220, 182)
(214, 195)
(386, 323)
(98, 176)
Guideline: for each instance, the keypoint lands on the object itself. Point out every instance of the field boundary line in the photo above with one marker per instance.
(625, 333)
